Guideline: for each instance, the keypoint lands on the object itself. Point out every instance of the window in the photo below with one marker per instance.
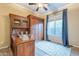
(59, 28)
(51, 28)
(55, 28)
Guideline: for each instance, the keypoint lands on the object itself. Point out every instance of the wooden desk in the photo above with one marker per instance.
(21, 48)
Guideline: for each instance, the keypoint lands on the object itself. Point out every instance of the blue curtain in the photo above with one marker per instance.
(47, 17)
(65, 28)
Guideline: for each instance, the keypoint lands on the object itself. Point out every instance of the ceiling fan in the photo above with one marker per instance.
(40, 5)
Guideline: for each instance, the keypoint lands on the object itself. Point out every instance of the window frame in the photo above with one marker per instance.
(55, 29)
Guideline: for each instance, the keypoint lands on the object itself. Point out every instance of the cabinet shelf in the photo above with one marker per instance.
(16, 27)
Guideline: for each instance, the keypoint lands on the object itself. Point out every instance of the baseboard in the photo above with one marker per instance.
(56, 42)
(75, 46)
(4, 47)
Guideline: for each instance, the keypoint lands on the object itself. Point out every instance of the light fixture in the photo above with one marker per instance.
(40, 5)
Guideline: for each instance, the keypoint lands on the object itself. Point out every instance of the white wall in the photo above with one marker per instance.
(73, 25)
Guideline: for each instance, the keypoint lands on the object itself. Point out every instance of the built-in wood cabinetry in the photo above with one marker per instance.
(19, 47)
(36, 21)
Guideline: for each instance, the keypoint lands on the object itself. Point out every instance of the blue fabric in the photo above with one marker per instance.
(65, 28)
(47, 17)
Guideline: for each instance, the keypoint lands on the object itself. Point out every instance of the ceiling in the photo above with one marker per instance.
(50, 7)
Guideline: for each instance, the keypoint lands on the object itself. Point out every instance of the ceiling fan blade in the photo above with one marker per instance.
(37, 9)
(45, 8)
(32, 3)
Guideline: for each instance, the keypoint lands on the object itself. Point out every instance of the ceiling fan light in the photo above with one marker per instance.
(40, 5)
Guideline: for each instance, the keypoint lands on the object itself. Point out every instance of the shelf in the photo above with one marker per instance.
(21, 27)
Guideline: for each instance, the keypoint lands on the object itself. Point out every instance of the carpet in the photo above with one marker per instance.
(47, 48)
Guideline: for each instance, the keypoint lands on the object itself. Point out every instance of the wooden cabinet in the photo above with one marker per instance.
(24, 48)
(19, 47)
(27, 46)
(19, 50)
(35, 22)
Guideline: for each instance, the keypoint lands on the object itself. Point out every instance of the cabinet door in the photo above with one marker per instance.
(29, 49)
(26, 49)
(32, 48)
(20, 50)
